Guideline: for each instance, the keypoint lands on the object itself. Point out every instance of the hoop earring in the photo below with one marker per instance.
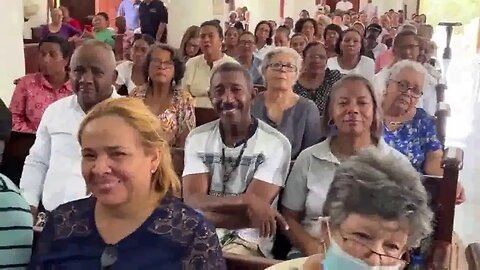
(331, 123)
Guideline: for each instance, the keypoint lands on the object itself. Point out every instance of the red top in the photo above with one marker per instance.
(75, 23)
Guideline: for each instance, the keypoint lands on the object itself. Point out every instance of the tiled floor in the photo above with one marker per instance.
(463, 128)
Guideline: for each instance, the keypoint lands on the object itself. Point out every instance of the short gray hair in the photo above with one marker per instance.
(282, 50)
(384, 185)
(376, 130)
(400, 66)
(232, 67)
(407, 27)
(89, 43)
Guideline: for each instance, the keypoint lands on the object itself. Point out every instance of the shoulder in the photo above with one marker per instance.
(422, 115)
(367, 60)
(203, 130)
(194, 60)
(307, 103)
(321, 149)
(228, 59)
(183, 97)
(69, 217)
(60, 106)
(333, 74)
(273, 134)
(29, 78)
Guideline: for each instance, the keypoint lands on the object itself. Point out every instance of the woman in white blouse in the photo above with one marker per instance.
(130, 73)
(353, 122)
(350, 59)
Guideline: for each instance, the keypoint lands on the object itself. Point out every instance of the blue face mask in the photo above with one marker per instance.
(337, 259)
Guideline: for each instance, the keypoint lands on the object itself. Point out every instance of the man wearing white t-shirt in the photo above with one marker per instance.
(344, 5)
(236, 166)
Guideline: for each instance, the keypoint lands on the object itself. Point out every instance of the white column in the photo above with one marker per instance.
(12, 65)
(293, 8)
(263, 10)
(185, 13)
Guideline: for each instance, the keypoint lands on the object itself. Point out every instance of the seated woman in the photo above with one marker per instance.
(162, 94)
(353, 122)
(378, 211)
(350, 59)
(408, 129)
(130, 73)
(190, 44)
(316, 80)
(308, 27)
(331, 35)
(134, 218)
(294, 116)
(231, 42)
(58, 28)
(35, 92)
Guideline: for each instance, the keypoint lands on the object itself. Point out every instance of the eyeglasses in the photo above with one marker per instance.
(160, 63)
(403, 87)
(363, 247)
(109, 257)
(280, 66)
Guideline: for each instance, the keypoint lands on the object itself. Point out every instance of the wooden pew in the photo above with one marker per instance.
(118, 47)
(443, 112)
(204, 115)
(473, 256)
(16, 150)
(242, 262)
(30, 52)
(442, 193)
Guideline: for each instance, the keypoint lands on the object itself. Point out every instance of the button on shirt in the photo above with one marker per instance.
(52, 170)
(197, 78)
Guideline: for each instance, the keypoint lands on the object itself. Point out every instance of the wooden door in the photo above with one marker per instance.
(79, 9)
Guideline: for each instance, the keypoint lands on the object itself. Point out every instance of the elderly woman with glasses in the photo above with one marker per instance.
(294, 116)
(377, 211)
(352, 121)
(409, 129)
(134, 218)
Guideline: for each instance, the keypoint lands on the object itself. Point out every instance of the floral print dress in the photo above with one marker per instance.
(415, 138)
(179, 117)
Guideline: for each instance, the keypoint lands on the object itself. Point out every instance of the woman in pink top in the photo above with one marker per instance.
(34, 92)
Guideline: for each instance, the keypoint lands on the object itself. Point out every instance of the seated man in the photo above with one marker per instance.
(236, 166)
(52, 169)
(16, 234)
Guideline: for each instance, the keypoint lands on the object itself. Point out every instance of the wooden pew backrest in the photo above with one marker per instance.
(473, 256)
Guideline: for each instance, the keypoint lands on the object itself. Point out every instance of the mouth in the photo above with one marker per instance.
(105, 186)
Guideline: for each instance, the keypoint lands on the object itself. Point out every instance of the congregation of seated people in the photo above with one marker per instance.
(324, 128)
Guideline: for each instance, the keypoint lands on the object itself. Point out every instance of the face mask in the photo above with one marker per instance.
(337, 259)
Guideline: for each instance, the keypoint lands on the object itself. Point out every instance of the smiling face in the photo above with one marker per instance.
(351, 108)
(116, 166)
(231, 96)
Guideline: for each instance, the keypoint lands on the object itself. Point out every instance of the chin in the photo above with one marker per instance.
(111, 200)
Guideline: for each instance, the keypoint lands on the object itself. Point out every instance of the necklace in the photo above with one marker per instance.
(227, 173)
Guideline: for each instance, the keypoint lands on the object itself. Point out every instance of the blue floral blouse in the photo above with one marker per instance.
(173, 237)
(415, 138)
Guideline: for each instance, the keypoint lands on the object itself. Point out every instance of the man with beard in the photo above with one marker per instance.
(236, 166)
(52, 170)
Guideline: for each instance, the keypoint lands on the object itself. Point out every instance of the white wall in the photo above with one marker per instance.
(37, 20)
(12, 63)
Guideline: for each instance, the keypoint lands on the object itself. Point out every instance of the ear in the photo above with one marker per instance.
(155, 160)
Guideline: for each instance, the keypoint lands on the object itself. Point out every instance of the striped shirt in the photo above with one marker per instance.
(16, 232)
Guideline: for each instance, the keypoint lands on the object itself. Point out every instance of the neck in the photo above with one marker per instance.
(245, 59)
(281, 98)
(56, 80)
(350, 144)
(132, 210)
(210, 58)
(350, 60)
(56, 23)
(235, 132)
(161, 90)
(261, 44)
(313, 75)
(137, 66)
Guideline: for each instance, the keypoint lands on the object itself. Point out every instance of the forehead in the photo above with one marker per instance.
(247, 37)
(409, 39)
(224, 78)
(93, 56)
(409, 75)
(161, 53)
(140, 43)
(318, 49)
(298, 39)
(109, 131)
(208, 30)
(352, 89)
(351, 34)
(282, 57)
(387, 229)
(264, 26)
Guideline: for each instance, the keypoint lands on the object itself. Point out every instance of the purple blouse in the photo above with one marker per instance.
(66, 31)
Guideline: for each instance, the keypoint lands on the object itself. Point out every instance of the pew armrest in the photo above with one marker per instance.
(440, 89)
(472, 253)
(235, 261)
(453, 158)
(443, 109)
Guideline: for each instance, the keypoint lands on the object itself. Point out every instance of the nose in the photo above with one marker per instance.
(228, 97)
(46, 58)
(352, 108)
(101, 165)
(86, 77)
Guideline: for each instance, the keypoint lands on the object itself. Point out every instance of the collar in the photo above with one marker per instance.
(214, 62)
(251, 131)
(46, 84)
(322, 151)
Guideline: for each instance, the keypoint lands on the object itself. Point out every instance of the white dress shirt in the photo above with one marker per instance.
(52, 170)
(125, 75)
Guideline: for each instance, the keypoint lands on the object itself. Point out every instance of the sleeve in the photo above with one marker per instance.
(313, 133)
(44, 245)
(163, 14)
(45, 31)
(71, 30)
(431, 140)
(110, 40)
(187, 117)
(37, 163)
(121, 10)
(368, 68)
(193, 162)
(18, 107)
(275, 167)
(121, 74)
(205, 252)
(295, 193)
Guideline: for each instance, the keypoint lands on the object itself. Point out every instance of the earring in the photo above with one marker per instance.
(331, 123)
(153, 171)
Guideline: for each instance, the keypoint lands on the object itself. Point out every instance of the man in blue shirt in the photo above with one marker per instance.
(129, 10)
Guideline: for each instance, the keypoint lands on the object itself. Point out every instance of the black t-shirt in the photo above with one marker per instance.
(151, 15)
